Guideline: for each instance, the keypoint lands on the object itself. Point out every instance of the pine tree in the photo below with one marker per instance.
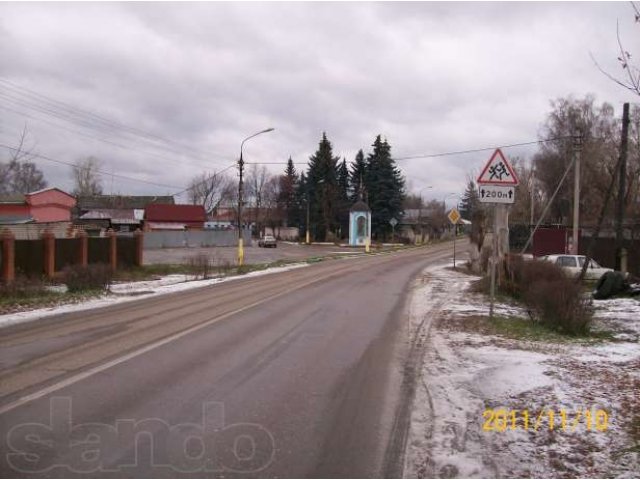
(385, 187)
(323, 191)
(286, 199)
(356, 177)
(344, 202)
(470, 201)
(301, 199)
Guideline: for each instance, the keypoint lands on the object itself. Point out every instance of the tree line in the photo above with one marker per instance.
(317, 198)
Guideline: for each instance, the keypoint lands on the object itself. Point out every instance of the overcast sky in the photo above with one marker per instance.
(163, 91)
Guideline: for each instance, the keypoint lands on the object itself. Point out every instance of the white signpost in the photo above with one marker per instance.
(393, 223)
(496, 184)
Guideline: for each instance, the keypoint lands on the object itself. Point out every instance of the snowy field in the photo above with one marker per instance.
(478, 391)
(130, 291)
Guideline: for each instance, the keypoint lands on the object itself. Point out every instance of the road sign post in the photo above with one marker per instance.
(393, 223)
(454, 218)
(496, 185)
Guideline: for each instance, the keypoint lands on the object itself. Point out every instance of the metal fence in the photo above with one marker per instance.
(194, 238)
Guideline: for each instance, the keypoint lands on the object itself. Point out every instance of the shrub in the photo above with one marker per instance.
(22, 287)
(92, 277)
(200, 265)
(552, 298)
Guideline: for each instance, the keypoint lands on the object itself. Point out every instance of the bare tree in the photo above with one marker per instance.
(210, 190)
(631, 73)
(86, 177)
(257, 178)
(274, 210)
(20, 174)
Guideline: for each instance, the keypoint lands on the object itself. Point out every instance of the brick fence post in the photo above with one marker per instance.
(49, 253)
(113, 249)
(83, 250)
(139, 236)
(8, 255)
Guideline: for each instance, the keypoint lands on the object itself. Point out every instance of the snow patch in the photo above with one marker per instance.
(131, 291)
(465, 372)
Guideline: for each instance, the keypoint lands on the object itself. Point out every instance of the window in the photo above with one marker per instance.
(566, 261)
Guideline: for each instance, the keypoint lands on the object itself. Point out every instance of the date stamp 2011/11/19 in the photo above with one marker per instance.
(502, 419)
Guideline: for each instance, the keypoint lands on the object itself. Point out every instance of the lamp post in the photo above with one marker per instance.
(240, 197)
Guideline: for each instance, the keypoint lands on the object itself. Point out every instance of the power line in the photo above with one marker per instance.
(62, 162)
(133, 179)
(477, 150)
(74, 113)
(103, 140)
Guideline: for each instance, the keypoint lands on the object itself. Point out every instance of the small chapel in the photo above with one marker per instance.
(359, 224)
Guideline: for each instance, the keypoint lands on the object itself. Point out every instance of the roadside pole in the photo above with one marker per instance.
(494, 250)
(454, 218)
(577, 147)
(496, 186)
(455, 234)
(622, 179)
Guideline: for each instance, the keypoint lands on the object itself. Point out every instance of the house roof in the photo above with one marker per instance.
(42, 190)
(175, 213)
(360, 206)
(116, 215)
(121, 201)
(15, 219)
(12, 198)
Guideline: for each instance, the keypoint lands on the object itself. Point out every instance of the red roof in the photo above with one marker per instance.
(157, 212)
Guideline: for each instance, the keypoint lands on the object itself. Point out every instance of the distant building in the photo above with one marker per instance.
(43, 206)
(174, 217)
(121, 213)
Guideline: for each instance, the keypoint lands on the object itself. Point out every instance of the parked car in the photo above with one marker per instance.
(573, 264)
(267, 241)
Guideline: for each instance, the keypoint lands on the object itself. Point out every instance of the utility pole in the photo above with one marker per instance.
(240, 195)
(622, 178)
(577, 148)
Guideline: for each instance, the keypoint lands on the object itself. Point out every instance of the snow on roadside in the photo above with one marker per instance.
(130, 291)
(466, 373)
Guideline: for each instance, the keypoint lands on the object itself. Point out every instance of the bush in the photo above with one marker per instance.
(200, 265)
(22, 287)
(552, 298)
(92, 277)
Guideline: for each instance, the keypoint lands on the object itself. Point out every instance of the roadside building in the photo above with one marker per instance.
(121, 213)
(174, 217)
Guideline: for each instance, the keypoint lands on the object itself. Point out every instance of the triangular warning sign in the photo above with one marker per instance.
(498, 171)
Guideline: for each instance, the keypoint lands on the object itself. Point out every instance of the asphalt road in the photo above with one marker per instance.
(296, 374)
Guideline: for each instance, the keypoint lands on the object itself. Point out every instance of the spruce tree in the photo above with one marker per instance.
(385, 187)
(470, 201)
(286, 199)
(356, 178)
(322, 179)
(343, 198)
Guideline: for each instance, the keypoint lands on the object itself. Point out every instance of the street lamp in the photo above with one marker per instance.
(240, 196)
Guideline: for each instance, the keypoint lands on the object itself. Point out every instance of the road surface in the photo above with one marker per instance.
(295, 374)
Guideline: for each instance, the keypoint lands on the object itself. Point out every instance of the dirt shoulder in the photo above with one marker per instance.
(499, 399)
